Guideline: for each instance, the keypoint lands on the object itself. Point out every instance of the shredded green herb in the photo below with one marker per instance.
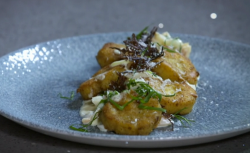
(144, 51)
(71, 96)
(83, 127)
(110, 94)
(181, 118)
(150, 72)
(167, 49)
(139, 35)
(180, 48)
(143, 90)
(140, 50)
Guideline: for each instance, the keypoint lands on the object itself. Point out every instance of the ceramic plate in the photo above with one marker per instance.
(32, 78)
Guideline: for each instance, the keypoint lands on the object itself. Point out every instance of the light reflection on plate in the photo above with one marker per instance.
(32, 78)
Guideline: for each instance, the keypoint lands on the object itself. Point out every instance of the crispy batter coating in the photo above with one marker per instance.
(107, 55)
(185, 96)
(176, 67)
(99, 82)
(132, 120)
(186, 49)
(176, 73)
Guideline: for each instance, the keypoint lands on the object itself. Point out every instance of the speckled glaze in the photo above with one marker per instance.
(32, 78)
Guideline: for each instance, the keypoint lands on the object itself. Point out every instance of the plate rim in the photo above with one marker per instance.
(123, 143)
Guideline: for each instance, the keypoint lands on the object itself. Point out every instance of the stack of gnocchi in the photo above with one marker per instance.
(140, 84)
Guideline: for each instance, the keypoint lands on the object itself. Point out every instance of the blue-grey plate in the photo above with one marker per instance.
(32, 78)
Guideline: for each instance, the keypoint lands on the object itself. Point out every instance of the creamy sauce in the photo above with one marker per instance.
(117, 52)
(144, 74)
(164, 122)
(89, 109)
(117, 97)
(191, 85)
(121, 62)
(96, 100)
(100, 77)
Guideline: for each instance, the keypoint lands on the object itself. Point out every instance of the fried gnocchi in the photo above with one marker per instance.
(142, 84)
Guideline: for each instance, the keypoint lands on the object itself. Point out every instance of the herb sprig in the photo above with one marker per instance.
(144, 90)
(110, 94)
(72, 95)
(83, 127)
(181, 118)
(167, 49)
(138, 49)
(139, 35)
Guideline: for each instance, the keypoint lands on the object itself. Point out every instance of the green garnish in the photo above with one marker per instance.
(181, 118)
(143, 90)
(71, 96)
(153, 73)
(83, 127)
(144, 51)
(180, 49)
(152, 108)
(139, 35)
(167, 49)
(110, 94)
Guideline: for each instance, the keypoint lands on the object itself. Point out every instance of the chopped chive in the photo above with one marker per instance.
(167, 49)
(152, 108)
(181, 118)
(83, 127)
(180, 48)
(139, 35)
(180, 111)
(144, 51)
(70, 98)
